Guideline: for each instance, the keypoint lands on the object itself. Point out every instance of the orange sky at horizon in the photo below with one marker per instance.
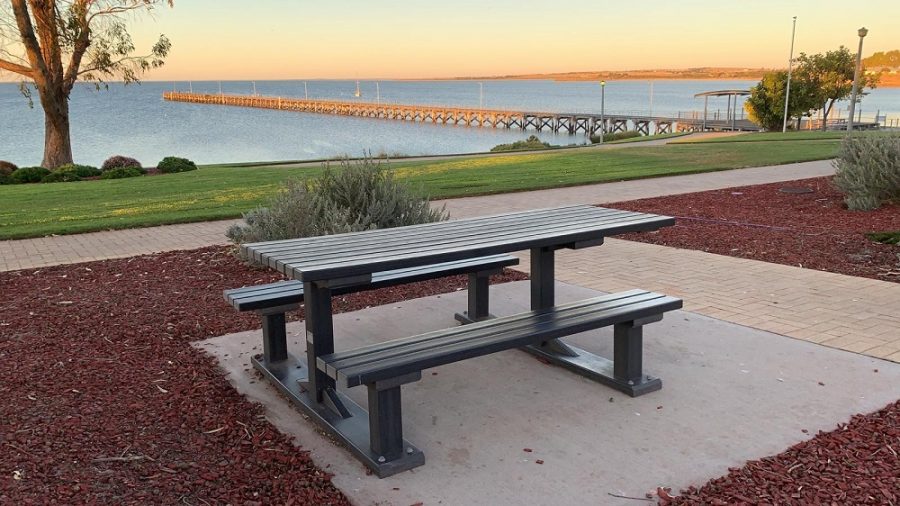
(406, 39)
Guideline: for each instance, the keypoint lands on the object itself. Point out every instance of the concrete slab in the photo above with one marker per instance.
(730, 393)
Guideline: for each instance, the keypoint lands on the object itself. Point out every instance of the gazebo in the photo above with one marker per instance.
(732, 104)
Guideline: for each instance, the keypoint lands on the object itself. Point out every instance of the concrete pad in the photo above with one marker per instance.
(730, 393)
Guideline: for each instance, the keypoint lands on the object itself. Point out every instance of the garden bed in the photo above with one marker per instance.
(102, 399)
(857, 463)
(813, 230)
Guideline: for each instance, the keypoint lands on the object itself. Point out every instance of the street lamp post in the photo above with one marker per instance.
(787, 92)
(862, 34)
(602, 109)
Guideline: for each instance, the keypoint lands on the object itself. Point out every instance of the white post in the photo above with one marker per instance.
(481, 95)
(651, 98)
(305, 91)
(602, 110)
(787, 91)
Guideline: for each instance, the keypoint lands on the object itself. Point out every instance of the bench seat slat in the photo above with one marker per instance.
(283, 293)
(494, 335)
(377, 351)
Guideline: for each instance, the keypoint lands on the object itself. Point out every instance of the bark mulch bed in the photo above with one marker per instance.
(812, 230)
(103, 401)
(855, 464)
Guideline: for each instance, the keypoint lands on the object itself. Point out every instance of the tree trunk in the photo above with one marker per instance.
(57, 143)
(825, 111)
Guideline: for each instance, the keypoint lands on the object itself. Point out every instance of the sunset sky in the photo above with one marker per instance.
(281, 39)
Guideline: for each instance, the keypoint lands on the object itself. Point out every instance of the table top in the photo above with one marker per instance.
(359, 254)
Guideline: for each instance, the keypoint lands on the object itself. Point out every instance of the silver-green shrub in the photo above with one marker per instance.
(357, 196)
(868, 170)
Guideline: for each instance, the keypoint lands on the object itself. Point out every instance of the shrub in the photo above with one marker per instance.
(868, 170)
(7, 168)
(117, 161)
(121, 172)
(29, 175)
(5, 179)
(79, 170)
(60, 177)
(171, 164)
(609, 137)
(357, 196)
(532, 142)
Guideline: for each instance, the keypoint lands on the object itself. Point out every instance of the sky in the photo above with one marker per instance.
(365, 39)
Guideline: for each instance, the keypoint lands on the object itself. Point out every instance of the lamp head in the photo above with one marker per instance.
(863, 32)
(602, 83)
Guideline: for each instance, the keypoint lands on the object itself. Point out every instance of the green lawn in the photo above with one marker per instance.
(645, 138)
(806, 135)
(225, 192)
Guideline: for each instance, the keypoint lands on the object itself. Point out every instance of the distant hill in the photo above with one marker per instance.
(596, 75)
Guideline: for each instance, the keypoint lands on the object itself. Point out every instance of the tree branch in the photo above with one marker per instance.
(82, 42)
(18, 69)
(39, 72)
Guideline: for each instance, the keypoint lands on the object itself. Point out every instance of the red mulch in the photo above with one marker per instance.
(103, 401)
(812, 230)
(855, 464)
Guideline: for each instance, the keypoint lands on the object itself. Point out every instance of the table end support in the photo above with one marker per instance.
(290, 375)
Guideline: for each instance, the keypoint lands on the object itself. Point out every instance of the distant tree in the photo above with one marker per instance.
(765, 106)
(883, 59)
(830, 77)
(54, 43)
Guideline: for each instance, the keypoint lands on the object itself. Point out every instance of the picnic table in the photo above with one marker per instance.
(335, 264)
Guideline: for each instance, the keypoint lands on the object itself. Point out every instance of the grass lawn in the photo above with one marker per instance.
(645, 138)
(806, 135)
(225, 192)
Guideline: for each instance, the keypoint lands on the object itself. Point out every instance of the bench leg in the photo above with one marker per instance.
(628, 342)
(274, 338)
(385, 423)
(624, 372)
(479, 302)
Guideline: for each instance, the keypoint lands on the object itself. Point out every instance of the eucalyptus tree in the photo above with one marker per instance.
(52, 44)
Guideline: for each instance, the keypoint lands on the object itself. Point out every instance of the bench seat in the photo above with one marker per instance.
(283, 293)
(386, 366)
(271, 301)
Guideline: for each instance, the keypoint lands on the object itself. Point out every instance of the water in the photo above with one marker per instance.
(135, 121)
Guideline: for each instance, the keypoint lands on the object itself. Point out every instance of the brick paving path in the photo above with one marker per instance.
(850, 313)
(846, 312)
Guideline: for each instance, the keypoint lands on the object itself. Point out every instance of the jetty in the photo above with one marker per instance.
(572, 123)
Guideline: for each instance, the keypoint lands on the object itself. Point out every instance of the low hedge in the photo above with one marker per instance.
(173, 164)
(29, 175)
(121, 173)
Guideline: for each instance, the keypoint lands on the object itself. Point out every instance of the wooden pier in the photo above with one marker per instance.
(572, 123)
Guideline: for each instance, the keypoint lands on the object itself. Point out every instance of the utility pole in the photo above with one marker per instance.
(862, 34)
(305, 91)
(787, 92)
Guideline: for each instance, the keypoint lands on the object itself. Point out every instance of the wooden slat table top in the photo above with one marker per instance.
(363, 253)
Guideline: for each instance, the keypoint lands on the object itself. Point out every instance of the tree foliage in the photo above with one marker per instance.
(830, 76)
(765, 106)
(52, 44)
(818, 82)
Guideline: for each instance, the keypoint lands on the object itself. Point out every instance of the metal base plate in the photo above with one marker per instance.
(464, 318)
(289, 375)
(597, 368)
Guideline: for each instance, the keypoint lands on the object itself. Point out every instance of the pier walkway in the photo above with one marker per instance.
(572, 123)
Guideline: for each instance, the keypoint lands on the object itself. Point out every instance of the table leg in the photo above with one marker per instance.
(319, 337)
(542, 272)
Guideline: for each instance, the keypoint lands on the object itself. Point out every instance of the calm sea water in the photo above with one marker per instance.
(135, 121)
